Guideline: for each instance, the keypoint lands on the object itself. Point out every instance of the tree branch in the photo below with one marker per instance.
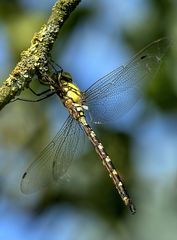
(35, 58)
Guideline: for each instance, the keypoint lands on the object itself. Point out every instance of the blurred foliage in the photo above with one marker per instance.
(158, 23)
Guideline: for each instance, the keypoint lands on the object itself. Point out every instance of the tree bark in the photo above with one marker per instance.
(35, 58)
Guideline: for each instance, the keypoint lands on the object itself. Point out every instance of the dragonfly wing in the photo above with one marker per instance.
(113, 95)
(68, 149)
(44, 169)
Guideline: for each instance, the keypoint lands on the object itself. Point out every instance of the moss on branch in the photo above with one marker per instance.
(35, 58)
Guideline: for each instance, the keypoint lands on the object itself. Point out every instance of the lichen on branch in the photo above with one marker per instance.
(35, 58)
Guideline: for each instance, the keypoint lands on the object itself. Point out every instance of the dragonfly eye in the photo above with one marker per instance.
(66, 77)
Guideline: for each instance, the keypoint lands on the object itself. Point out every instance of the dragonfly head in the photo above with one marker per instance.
(61, 76)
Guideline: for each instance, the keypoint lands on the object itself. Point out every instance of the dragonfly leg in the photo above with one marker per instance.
(36, 100)
(52, 63)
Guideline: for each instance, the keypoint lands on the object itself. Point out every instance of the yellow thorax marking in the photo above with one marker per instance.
(74, 96)
(72, 92)
(72, 85)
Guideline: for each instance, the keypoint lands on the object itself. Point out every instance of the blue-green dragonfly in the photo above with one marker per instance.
(108, 98)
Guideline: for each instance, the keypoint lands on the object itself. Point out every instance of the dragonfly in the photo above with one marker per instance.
(105, 100)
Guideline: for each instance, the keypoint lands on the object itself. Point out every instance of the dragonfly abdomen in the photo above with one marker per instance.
(109, 166)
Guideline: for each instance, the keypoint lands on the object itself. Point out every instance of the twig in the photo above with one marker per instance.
(35, 58)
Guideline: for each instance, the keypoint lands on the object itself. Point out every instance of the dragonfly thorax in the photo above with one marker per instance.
(70, 95)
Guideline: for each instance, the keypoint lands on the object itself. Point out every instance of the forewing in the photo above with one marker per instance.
(114, 95)
(41, 172)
